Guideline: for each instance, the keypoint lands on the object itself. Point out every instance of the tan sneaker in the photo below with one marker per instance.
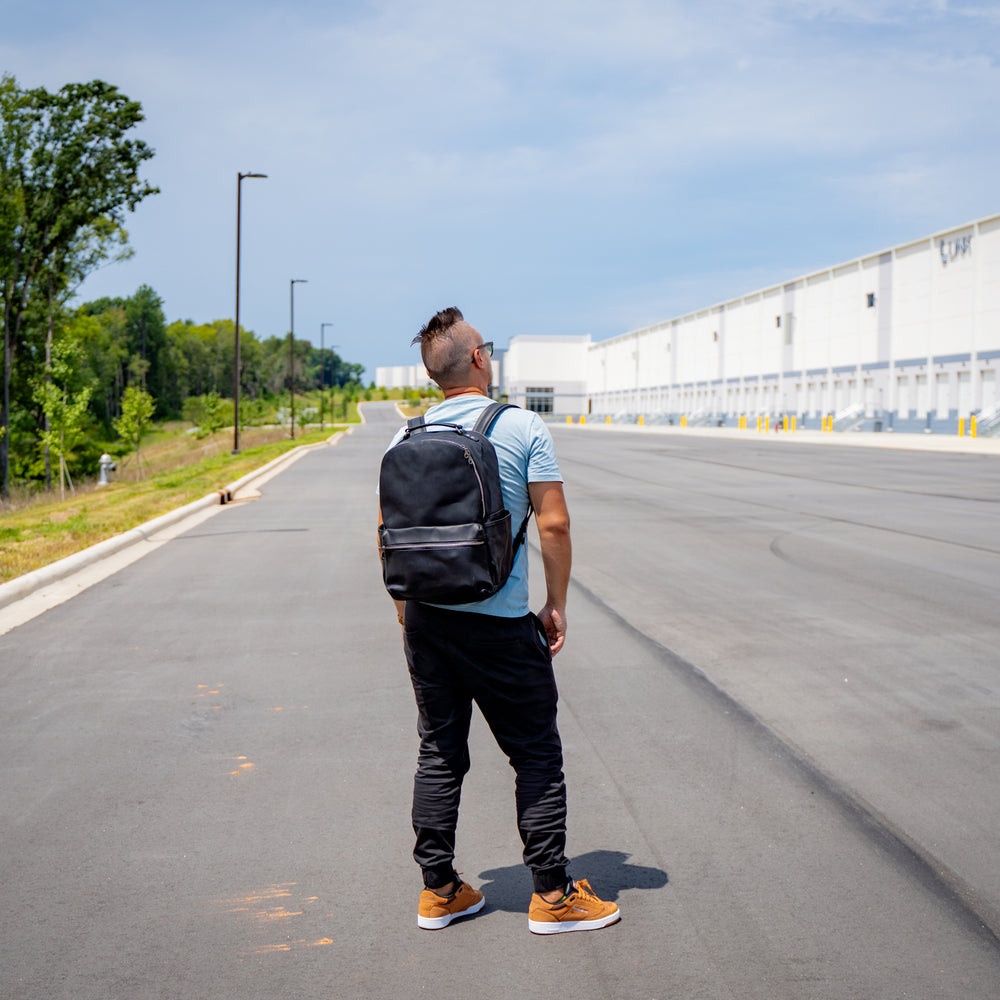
(437, 911)
(580, 910)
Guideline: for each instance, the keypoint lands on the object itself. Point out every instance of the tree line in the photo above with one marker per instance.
(103, 348)
(69, 172)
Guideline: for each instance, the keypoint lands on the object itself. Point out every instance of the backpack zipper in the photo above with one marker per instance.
(468, 457)
(435, 545)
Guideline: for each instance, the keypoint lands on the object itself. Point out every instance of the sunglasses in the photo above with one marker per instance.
(486, 348)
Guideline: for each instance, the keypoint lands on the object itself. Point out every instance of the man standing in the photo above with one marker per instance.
(497, 654)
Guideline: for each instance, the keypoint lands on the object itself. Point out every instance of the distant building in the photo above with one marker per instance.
(906, 339)
(402, 377)
(547, 374)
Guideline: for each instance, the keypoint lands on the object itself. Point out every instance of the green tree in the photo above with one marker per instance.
(67, 175)
(105, 344)
(214, 412)
(147, 338)
(136, 417)
(64, 400)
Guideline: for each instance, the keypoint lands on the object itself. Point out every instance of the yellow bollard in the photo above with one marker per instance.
(767, 424)
(583, 419)
(972, 426)
(760, 422)
(793, 425)
(642, 420)
(607, 419)
(569, 419)
(684, 421)
(961, 426)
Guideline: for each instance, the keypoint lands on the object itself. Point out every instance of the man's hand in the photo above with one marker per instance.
(549, 504)
(554, 620)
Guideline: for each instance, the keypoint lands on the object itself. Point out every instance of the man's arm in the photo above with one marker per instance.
(400, 605)
(549, 504)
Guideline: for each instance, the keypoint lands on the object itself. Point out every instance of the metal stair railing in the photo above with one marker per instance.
(849, 417)
(700, 417)
(988, 422)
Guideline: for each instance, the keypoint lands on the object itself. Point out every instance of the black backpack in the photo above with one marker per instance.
(445, 536)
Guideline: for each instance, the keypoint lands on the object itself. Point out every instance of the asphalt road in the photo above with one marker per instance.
(778, 703)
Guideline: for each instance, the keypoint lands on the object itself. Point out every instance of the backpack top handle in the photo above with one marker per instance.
(482, 426)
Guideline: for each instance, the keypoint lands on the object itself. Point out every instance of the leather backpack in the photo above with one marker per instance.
(445, 536)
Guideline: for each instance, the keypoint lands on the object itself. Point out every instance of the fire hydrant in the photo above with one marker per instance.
(107, 466)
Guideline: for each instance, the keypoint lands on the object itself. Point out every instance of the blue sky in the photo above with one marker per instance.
(548, 166)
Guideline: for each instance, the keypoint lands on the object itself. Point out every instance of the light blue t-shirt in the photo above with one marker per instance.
(525, 454)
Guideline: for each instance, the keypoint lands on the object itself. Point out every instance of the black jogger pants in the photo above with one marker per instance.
(505, 667)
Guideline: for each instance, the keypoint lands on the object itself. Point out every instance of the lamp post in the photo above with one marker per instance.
(236, 354)
(291, 344)
(322, 379)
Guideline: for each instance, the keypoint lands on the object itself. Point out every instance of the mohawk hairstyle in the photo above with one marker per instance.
(439, 323)
(446, 357)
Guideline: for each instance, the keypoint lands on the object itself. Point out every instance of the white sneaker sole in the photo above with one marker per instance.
(562, 926)
(436, 923)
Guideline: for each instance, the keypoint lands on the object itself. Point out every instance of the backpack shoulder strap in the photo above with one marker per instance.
(483, 426)
(489, 416)
(522, 531)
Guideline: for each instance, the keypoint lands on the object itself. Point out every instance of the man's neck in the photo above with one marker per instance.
(464, 390)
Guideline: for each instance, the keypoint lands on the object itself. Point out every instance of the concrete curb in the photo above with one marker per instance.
(23, 586)
(861, 439)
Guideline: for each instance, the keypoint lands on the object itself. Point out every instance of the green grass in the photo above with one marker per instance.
(50, 529)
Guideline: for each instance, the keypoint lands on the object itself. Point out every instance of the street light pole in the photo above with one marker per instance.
(291, 344)
(236, 353)
(322, 380)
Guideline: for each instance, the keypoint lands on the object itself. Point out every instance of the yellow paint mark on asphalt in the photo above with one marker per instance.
(269, 949)
(274, 913)
(278, 913)
(281, 890)
(244, 768)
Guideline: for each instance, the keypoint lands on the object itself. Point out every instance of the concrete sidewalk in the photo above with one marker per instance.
(855, 439)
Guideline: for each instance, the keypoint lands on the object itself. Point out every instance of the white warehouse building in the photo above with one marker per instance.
(906, 339)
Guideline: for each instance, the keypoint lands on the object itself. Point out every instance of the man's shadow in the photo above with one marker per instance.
(608, 873)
